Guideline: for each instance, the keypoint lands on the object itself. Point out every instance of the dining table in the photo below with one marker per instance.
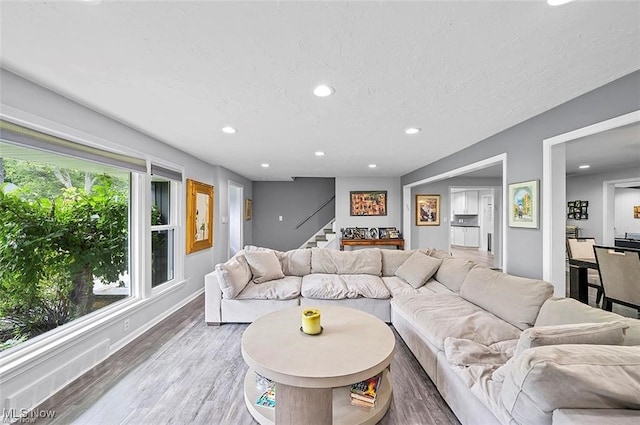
(578, 277)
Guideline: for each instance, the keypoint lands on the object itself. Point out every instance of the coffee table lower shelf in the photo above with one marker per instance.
(343, 412)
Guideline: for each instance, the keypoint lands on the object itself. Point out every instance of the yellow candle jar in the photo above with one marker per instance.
(311, 321)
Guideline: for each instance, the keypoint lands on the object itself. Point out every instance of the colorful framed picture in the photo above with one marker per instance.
(199, 216)
(636, 211)
(369, 203)
(248, 209)
(524, 205)
(427, 210)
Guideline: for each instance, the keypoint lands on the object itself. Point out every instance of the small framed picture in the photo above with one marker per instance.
(570, 216)
(427, 210)
(373, 233)
(523, 204)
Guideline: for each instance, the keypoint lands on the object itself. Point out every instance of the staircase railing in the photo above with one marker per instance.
(315, 212)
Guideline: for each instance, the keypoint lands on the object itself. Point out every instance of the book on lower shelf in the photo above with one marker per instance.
(364, 393)
(267, 398)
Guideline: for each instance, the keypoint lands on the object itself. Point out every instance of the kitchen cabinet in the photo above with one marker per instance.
(465, 202)
(465, 236)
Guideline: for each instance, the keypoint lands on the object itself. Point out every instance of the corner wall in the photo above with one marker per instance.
(523, 145)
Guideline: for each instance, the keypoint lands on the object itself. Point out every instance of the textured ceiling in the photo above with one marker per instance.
(180, 71)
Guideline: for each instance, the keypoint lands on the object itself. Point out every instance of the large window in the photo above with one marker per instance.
(64, 240)
(71, 231)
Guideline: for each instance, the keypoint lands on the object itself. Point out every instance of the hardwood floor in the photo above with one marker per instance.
(185, 372)
(484, 258)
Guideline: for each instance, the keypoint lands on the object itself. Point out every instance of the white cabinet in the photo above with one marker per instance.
(458, 236)
(472, 237)
(465, 236)
(471, 202)
(465, 202)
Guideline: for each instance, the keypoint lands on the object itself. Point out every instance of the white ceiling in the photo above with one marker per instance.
(181, 70)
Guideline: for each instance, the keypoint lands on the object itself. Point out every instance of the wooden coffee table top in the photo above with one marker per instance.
(353, 346)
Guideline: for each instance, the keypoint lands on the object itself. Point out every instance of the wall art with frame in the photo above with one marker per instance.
(199, 216)
(368, 203)
(248, 209)
(427, 210)
(524, 208)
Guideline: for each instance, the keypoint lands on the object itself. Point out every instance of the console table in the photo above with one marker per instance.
(398, 243)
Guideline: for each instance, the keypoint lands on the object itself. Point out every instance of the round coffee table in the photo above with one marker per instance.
(313, 374)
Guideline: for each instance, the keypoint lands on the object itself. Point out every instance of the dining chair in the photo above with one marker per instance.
(582, 248)
(619, 270)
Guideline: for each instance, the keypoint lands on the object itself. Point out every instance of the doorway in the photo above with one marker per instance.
(236, 196)
(554, 199)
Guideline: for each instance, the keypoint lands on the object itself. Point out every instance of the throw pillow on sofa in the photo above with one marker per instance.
(233, 276)
(453, 271)
(418, 268)
(607, 333)
(264, 266)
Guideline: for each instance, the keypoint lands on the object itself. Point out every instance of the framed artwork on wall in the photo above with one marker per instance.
(248, 209)
(427, 210)
(199, 216)
(368, 203)
(524, 208)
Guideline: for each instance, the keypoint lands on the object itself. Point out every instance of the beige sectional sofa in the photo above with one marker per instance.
(499, 349)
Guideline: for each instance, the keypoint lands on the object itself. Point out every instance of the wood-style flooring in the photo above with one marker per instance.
(484, 258)
(185, 372)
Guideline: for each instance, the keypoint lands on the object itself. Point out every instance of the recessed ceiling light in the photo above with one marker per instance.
(228, 130)
(372, 165)
(583, 167)
(323, 91)
(264, 165)
(413, 130)
(319, 153)
(557, 2)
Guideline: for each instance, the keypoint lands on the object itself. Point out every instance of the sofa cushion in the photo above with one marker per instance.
(453, 271)
(464, 352)
(562, 311)
(264, 266)
(296, 262)
(286, 288)
(365, 286)
(324, 286)
(418, 268)
(514, 299)
(233, 276)
(606, 333)
(547, 378)
(392, 259)
(438, 316)
(398, 286)
(362, 261)
(438, 253)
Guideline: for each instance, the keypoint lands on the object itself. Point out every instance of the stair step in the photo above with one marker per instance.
(312, 244)
(321, 238)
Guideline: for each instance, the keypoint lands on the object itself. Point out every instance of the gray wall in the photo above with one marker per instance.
(294, 201)
(523, 145)
(589, 188)
(344, 185)
(438, 236)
